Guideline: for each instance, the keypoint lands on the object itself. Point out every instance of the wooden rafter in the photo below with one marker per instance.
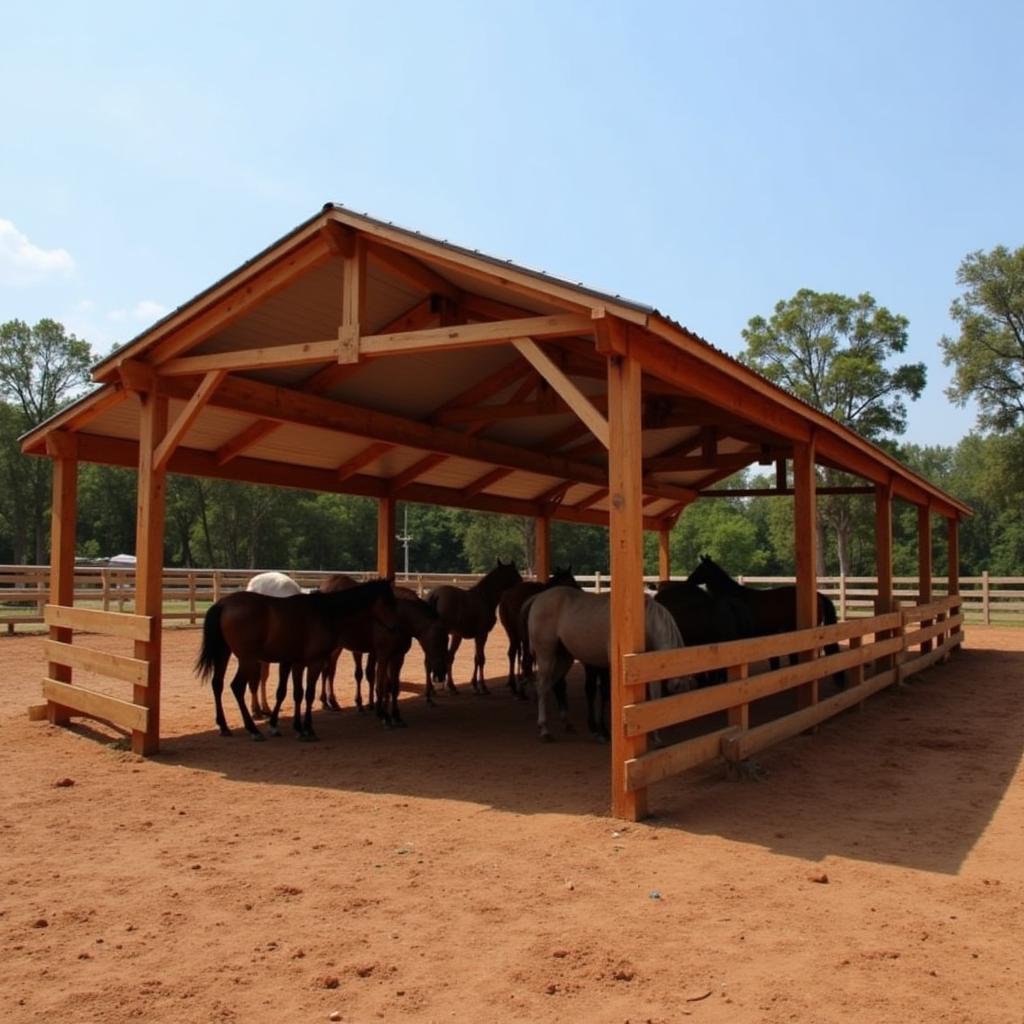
(481, 484)
(362, 459)
(176, 432)
(412, 271)
(592, 499)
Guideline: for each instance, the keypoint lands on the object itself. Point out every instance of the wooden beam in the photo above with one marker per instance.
(353, 301)
(245, 439)
(626, 550)
(805, 518)
(386, 537)
(664, 554)
(412, 271)
(186, 418)
(883, 548)
(953, 545)
(361, 459)
(63, 516)
(401, 480)
(592, 499)
(224, 305)
(580, 404)
(924, 563)
(482, 483)
(542, 548)
(136, 377)
(554, 495)
(472, 335)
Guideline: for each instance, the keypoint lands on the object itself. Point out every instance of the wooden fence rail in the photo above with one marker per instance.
(879, 650)
(24, 590)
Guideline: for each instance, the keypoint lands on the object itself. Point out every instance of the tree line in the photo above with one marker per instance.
(838, 353)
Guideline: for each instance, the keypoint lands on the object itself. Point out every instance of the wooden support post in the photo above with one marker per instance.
(625, 457)
(805, 513)
(924, 564)
(353, 298)
(149, 564)
(884, 600)
(386, 537)
(664, 555)
(62, 558)
(953, 587)
(542, 548)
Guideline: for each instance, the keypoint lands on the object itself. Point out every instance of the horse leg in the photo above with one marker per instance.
(258, 689)
(552, 665)
(327, 682)
(246, 671)
(297, 671)
(282, 688)
(513, 658)
(394, 679)
(452, 649)
(217, 685)
(561, 692)
(478, 667)
(307, 732)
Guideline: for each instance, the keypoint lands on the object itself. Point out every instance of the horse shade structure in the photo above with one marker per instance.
(354, 356)
(273, 584)
(471, 615)
(567, 625)
(299, 633)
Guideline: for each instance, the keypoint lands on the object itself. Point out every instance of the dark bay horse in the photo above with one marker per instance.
(386, 649)
(471, 614)
(509, 608)
(704, 617)
(297, 632)
(768, 610)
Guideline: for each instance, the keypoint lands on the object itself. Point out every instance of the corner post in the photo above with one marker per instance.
(953, 542)
(626, 553)
(63, 514)
(149, 561)
(664, 554)
(924, 564)
(805, 513)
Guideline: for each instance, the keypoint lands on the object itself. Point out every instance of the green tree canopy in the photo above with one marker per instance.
(989, 353)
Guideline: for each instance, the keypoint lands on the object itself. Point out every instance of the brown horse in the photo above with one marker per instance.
(509, 608)
(297, 632)
(471, 614)
(386, 650)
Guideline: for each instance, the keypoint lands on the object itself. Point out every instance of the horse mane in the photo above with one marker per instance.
(661, 627)
(353, 599)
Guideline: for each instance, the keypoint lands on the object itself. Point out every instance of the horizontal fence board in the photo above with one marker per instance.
(134, 627)
(738, 748)
(121, 713)
(116, 666)
(684, 707)
(654, 665)
(660, 764)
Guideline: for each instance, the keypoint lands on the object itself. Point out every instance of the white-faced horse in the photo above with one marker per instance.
(273, 584)
(567, 625)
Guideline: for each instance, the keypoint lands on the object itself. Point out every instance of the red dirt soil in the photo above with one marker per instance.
(460, 870)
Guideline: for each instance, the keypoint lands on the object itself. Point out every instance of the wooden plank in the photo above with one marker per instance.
(919, 612)
(542, 548)
(563, 385)
(660, 764)
(362, 459)
(919, 662)
(186, 418)
(471, 335)
(245, 439)
(654, 665)
(63, 516)
(105, 663)
(742, 746)
(930, 632)
(79, 700)
(646, 716)
(625, 455)
(664, 554)
(412, 271)
(134, 627)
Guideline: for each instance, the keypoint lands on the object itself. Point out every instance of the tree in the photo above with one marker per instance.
(989, 353)
(41, 369)
(831, 351)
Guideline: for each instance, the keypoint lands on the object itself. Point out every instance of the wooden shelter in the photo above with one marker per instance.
(358, 357)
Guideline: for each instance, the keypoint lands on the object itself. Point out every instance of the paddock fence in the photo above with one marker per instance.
(872, 653)
(25, 591)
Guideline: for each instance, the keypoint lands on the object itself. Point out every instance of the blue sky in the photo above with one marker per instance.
(709, 159)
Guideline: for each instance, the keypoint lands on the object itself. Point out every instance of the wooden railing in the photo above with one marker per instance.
(879, 651)
(24, 590)
(69, 657)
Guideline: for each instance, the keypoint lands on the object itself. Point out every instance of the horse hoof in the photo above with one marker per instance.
(225, 732)
(256, 713)
(258, 737)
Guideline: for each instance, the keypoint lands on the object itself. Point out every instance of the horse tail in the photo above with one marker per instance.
(214, 649)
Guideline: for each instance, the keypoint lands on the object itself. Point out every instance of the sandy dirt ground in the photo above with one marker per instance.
(459, 870)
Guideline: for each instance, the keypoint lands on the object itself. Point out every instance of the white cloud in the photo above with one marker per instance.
(22, 263)
(145, 311)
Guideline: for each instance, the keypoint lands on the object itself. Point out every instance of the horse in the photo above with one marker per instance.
(299, 632)
(273, 584)
(386, 650)
(569, 625)
(509, 608)
(704, 618)
(768, 610)
(470, 615)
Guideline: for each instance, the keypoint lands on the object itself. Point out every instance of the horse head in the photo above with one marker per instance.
(563, 578)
